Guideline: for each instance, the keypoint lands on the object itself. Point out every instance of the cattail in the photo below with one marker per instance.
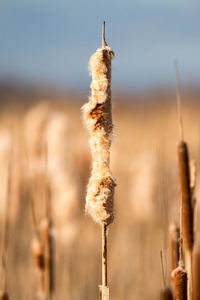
(64, 184)
(184, 176)
(174, 234)
(48, 256)
(166, 294)
(97, 115)
(180, 283)
(196, 273)
(184, 180)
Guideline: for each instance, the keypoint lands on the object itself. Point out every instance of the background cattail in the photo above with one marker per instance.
(63, 179)
(184, 181)
(143, 186)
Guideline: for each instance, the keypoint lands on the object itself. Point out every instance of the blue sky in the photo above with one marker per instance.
(51, 42)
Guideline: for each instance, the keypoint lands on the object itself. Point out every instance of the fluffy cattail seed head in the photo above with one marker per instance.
(97, 114)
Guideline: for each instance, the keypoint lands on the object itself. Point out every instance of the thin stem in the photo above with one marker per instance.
(162, 269)
(33, 210)
(47, 196)
(104, 254)
(103, 35)
(178, 97)
(181, 232)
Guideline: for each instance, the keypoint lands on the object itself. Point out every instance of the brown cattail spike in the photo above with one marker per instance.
(180, 283)
(184, 181)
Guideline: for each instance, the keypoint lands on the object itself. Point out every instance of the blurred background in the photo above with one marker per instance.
(44, 82)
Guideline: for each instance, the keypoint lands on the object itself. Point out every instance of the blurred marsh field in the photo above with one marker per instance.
(144, 162)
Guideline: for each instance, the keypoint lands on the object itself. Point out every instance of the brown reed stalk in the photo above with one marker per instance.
(174, 234)
(47, 239)
(97, 115)
(196, 273)
(179, 274)
(185, 191)
(184, 178)
(6, 230)
(37, 243)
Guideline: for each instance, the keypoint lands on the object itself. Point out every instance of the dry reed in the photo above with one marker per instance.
(184, 180)
(174, 234)
(196, 273)
(180, 274)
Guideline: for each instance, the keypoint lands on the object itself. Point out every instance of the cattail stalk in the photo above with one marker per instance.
(47, 239)
(174, 235)
(185, 191)
(6, 230)
(196, 273)
(97, 115)
(179, 274)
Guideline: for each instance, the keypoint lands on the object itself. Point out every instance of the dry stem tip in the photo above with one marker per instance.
(103, 35)
(178, 98)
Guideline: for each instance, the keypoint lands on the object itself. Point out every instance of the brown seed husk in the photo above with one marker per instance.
(196, 273)
(166, 294)
(97, 114)
(184, 181)
(174, 234)
(180, 283)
